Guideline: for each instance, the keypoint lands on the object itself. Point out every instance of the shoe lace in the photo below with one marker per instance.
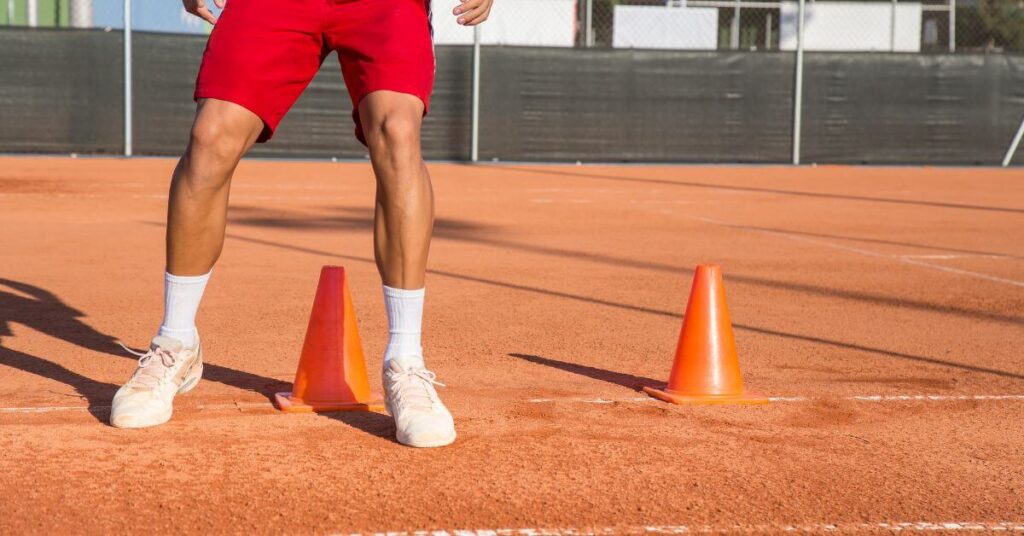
(150, 372)
(414, 387)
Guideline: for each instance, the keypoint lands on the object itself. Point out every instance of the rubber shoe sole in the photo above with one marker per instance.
(190, 383)
(440, 442)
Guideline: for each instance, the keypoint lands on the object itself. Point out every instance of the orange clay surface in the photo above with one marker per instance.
(554, 295)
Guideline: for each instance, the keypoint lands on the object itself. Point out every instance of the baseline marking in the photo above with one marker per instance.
(912, 526)
(581, 400)
(855, 398)
(200, 407)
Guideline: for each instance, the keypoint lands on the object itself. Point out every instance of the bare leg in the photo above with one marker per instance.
(404, 218)
(403, 225)
(197, 209)
(196, 214)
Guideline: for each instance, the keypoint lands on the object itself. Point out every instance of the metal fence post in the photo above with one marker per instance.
(892, 28)
(734, 29)
(80, 13)
(127, 77)
(798, 90)
(952, 25)
(32, 7)
(1013, 145)
(475, 129)
(588, 22)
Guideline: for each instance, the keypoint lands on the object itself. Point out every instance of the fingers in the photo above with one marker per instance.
(476, 17)
(473, 12)
(199, 9)
(220, 3)
(205, 14)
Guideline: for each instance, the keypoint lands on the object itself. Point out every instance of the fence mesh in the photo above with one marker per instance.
(749, 25)
(925, 81)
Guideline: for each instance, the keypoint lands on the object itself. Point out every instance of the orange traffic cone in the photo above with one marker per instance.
(706, 369)
(332, 372)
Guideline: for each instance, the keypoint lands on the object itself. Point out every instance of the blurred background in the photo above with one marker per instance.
(732, 81)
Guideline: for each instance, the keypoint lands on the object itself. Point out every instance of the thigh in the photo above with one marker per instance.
(383, 45)
(261, 55)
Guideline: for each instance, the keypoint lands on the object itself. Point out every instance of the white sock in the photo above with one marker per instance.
(405, 321)
(182, 295)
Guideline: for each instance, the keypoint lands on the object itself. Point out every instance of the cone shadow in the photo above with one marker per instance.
(629, 381)
(883, 352)
(370, 422)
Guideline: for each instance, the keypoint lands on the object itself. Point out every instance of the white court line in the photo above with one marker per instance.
(49, 409)
(955, 256)
(904, 259)
(580, 400)
(855, 398)
(162, 196)
(968, 273)
(911, 526)
(904, 398)
(201, 407)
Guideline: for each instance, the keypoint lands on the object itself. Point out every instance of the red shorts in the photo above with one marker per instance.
(263, 53)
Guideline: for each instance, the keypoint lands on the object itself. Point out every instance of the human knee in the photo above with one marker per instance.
(213, 142)
(395, 134)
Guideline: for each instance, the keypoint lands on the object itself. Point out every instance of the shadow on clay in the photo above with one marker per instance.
(463, 231)
(650, 310)
(847, 238)
(618, 378)
(43, 311)
(804, 288)
(716, 186)
(375, 424)
(337, 219)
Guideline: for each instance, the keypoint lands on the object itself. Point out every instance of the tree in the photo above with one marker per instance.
(1003, 23)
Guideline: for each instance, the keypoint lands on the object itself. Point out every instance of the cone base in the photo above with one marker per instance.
(675, 398)
(288, 404)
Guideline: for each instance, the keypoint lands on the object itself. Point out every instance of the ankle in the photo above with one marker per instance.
(188, 337)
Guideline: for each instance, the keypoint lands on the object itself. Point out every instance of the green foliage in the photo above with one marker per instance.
(992, 24)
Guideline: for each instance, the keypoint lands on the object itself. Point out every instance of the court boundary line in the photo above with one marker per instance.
(241, 406)
(754, 528)
(851, 398)
(911, 260)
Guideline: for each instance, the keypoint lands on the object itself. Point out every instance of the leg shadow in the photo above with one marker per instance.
(618, 378)
(43, 311)
(646, 310)
(97, 394)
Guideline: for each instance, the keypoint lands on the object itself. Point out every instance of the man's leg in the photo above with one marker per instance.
(404, 216)
(404, 222)
(405, 200)
(196, 216)
(197, 209)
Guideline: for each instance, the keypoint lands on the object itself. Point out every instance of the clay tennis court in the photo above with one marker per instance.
(881, 308)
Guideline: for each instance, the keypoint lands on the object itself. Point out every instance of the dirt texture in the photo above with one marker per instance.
(882, 308)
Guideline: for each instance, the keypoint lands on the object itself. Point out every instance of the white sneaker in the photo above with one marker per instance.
(421, 420)
(165, 370)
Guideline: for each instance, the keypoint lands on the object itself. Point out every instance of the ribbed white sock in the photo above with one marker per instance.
(182, 295)
(405, 321)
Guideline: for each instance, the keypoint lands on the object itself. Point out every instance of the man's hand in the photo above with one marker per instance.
(470, 12)
(199, 9)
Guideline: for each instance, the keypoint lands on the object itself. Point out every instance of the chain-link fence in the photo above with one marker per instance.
(752, 25)
(873, 81)
(149, 15)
